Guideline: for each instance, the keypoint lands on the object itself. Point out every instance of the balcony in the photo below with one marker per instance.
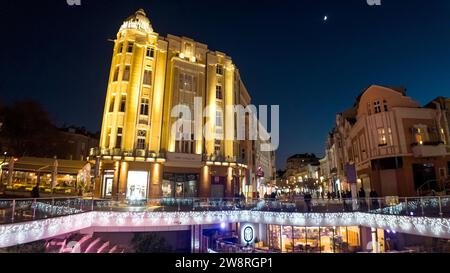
(140, 153)
(223, 159)
(428, 149)
(128, 155)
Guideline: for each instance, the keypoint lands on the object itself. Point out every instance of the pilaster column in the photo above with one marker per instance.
(156, 177)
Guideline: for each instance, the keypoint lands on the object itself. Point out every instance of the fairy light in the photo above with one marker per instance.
(72, 220)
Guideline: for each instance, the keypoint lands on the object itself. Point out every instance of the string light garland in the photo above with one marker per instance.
(18, 233)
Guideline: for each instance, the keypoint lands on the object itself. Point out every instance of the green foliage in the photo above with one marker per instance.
(150, 243)
(26, 128)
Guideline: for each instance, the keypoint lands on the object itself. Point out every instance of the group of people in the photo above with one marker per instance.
(273, 195)
(339, 194)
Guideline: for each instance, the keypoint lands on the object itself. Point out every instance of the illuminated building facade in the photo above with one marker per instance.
(140, 156)
(395, 146)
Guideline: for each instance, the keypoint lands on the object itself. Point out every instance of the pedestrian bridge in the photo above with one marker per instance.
(27, 220)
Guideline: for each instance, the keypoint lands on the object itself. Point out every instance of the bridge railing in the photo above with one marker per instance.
(18, 210)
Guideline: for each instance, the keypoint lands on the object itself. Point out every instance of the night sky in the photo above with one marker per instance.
(60, 54)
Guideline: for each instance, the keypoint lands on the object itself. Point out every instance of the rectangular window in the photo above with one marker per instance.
(218, 92)
(147, 77)
(381, 137)
(116, 74)
(140, 144)
(217, 149)
(108, 137)
(185, 145)
(377, 107)
(144, 107)
(418, 136)
(391, 140)
(150, 52)
(385, 106)
(219, 69)
(219, 119)
(130, 47)
(141, 139)
(123, 102)
(111, 103)
(119, 138)
(443, 136)
(126, 73)
(188, 49)
(119, 48)
(188, 82)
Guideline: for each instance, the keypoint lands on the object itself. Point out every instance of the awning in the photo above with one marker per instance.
(45, 165)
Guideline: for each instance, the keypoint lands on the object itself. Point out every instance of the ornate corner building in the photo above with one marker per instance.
(139, 156)
(395, 146)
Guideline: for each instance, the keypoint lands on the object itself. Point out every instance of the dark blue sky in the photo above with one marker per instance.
(287, 55)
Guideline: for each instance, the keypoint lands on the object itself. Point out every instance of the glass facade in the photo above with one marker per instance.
(313, 239)
(179, 185)
(26, 180)
(137, 185)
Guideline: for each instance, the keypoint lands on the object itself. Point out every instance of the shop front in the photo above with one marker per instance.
(218, 184)
(108, 181)
(180, 185)
(137, 182)
(313, 239)
(64, 177)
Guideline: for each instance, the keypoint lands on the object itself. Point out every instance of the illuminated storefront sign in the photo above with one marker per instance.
(247, 234)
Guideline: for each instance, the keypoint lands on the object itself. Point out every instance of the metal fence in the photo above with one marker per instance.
(19, 210)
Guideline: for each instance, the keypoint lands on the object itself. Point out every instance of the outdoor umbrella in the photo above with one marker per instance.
(54, 173)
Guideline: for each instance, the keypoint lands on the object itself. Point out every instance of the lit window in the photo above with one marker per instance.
(150, 52)
(147, 77)
(130, 47)
(381, 137)
(218, 92)
(419, 136)
(443, 136)
(144, 107)
(391, 140)
(123, 102)
(126, 73)
(188, 49)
